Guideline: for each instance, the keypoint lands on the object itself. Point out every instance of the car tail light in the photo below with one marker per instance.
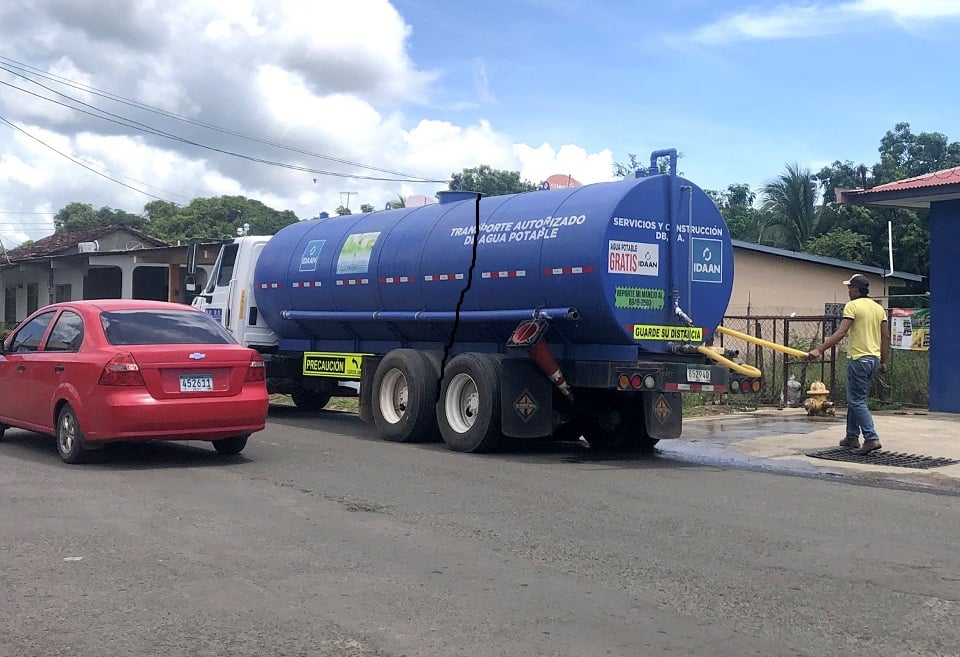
(256, 370)
(735, 385)
(636, 381)
(122, 370)
(756, 385)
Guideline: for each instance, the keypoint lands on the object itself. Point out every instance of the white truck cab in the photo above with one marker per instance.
(229, 296)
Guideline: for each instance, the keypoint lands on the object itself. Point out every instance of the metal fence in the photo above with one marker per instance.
(906, 382)
(800, 332)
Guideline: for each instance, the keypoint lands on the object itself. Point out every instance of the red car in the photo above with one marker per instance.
(94, 371)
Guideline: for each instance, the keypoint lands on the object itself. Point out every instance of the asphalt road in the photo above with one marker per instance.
(322, 540)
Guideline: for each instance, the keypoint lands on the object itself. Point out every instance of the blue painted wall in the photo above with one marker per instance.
(944, 306)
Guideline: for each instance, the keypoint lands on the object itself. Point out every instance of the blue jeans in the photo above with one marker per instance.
(860, 373)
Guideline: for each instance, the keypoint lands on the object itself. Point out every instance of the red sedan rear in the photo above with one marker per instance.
(94, 371)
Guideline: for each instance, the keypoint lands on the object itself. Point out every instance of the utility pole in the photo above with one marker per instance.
(347, 204)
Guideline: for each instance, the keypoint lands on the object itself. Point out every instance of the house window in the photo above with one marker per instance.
(63, 292)
(33, 297)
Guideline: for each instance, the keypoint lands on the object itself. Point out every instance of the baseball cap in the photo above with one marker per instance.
(858, 280)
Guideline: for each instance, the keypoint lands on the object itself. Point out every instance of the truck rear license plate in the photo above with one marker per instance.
(698, 374)
(196, 383)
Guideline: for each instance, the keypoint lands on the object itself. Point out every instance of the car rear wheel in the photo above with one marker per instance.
(3, 430)
(70, 436)
(232, 445)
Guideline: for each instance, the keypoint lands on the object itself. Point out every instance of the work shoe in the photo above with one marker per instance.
(850, 442)
(869, 446)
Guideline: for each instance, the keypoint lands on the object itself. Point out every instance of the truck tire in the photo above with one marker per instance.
(403, 396)
(310, 400)
(469, 408)
(630, 434)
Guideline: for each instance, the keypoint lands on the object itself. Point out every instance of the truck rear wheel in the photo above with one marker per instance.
(404, 393)
(469, 409)
(310, 400)
(630, 433)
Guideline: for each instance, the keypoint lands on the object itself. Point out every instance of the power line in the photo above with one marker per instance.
(120, 99)
(76, 161)
(128, 123)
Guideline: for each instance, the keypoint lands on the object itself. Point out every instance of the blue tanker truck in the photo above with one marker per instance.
(577, 312)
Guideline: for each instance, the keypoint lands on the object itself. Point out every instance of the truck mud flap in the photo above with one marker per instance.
(526, 400)
(368, 369)
(663, 414)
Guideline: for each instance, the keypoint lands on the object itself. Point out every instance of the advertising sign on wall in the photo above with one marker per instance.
(910, 328)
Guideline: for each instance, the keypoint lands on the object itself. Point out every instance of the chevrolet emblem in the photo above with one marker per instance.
(197, 355)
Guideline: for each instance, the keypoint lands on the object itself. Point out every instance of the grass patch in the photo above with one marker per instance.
(344, 404)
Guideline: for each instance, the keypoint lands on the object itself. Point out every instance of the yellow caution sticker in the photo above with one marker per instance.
(340, 366)
(681, 333)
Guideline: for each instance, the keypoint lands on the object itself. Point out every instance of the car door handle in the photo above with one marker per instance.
(21, 368)
(58, 368)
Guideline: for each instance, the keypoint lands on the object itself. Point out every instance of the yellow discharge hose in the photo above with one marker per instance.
(763, 343)
(747, 370)
(742, 368)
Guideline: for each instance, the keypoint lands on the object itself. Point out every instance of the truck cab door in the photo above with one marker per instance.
(247, 325)
(215, 298)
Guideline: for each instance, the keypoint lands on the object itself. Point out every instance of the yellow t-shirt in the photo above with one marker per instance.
(863, 338)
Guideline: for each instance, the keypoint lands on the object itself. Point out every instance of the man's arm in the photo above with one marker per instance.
(834, 339)
(884, 345)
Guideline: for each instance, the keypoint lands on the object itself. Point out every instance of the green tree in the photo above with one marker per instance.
(76, 215)
(214, 218)
(366, 207)
(791, 203)
(490, 182)
(343, 211)
(843, 244)
(736, 204)
(906, 155)
(399, 203)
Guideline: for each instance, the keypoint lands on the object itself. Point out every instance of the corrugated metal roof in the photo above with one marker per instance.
(823, 260)
(935, 179)
(66, 242)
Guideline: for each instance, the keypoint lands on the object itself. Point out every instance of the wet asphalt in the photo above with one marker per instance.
(321, 539)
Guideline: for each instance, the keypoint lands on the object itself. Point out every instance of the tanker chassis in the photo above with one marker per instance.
(582, 311)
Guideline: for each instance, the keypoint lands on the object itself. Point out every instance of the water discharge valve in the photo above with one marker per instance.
(529, 335)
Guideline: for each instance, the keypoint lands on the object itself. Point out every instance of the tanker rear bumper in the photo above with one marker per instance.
(652, 376)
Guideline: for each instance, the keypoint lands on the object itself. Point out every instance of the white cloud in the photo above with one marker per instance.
(808, 20)
(541, 162)
(320, 77)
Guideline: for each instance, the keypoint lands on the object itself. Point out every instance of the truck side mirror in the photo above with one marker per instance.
(190, 283)
(192, 259)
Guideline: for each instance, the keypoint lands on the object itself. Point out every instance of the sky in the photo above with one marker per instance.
(307, 106)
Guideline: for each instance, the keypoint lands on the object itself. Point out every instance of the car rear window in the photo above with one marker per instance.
(162, 327)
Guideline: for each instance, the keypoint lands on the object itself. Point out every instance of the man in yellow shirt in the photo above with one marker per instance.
(868, 352)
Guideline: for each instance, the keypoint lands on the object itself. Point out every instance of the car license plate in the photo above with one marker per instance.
(698, 374)
(196, 383)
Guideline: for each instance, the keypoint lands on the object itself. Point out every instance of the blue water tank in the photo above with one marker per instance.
(618, 253)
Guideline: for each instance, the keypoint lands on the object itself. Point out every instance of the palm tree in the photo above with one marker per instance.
(399, 203)
(790, 202)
